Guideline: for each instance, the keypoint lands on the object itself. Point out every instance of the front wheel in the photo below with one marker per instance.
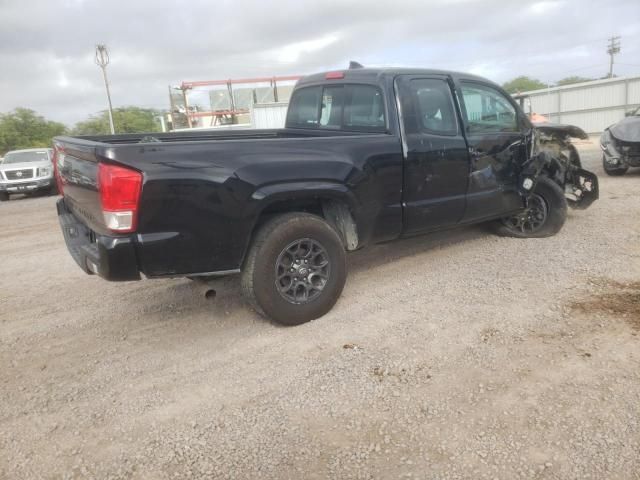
(4, 196)
(544, 215)
(295, 269)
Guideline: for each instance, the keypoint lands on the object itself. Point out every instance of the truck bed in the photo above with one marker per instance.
(203, 191)
(207, 135)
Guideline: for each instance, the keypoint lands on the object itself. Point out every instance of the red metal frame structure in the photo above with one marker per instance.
(232, 112)
(208, 83)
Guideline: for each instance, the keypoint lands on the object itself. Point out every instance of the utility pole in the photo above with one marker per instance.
(102, 60)
(612, 49)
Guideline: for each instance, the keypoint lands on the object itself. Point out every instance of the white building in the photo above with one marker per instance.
(592, 106)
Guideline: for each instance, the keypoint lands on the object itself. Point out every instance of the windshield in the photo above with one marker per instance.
(19, 157)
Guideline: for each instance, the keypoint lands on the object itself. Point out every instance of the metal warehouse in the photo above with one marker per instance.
(592, 106)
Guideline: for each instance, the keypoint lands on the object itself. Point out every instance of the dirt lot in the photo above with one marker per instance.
(455, 355)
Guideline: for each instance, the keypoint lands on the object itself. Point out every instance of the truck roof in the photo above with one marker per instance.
(374, 75)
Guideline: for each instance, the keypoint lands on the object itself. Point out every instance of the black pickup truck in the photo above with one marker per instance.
(366, 156)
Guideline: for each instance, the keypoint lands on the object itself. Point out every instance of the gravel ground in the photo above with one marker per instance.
(459, 355)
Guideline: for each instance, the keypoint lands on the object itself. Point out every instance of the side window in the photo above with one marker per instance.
(331, 108)
(488, 110)
(303, 109)
(434, 111)
(364, 109)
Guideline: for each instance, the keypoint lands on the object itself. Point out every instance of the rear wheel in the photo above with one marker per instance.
(4, 196)
(614, 172)
(295, 269)
(544, 215)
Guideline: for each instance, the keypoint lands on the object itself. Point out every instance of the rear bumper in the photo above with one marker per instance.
(27, 186)
(112, 258)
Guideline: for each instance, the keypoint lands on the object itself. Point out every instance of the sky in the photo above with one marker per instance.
(47, 46)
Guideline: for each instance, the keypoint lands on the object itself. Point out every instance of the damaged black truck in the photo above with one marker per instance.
(366, 156)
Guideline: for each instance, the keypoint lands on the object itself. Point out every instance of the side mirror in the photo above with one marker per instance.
(629, 113)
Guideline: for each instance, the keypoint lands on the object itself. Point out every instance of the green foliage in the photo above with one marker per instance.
(24, 128)
(574, 79)
(523, 84)
(125, 119)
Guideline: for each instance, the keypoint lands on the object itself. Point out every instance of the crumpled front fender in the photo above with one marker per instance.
(555, 158)
(561, 129)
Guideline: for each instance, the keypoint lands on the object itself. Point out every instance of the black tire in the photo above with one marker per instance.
(271, 249)
(548, 195)
(4, 197)
(613, 172)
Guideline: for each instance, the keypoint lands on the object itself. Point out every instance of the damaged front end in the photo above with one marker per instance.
(553, 155)
(620, 145)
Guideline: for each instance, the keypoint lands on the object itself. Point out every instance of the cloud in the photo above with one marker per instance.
(291, 53)
(542, 8)
(46, 46)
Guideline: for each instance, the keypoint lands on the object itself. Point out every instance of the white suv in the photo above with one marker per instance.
(27, 171)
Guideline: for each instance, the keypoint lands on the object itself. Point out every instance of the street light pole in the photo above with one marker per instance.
(102, 60)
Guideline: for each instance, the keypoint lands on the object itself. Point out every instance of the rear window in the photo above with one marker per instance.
(304, 108)
(331, 107)
(344, 107)
(365, 109)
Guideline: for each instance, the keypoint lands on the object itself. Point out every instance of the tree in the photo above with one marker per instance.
(125, 119)
(571, 80)
(24, 128)
(523, 84)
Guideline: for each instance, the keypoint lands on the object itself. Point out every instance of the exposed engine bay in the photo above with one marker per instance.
(554, 155)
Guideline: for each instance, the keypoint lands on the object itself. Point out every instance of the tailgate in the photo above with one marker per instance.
(77, 166)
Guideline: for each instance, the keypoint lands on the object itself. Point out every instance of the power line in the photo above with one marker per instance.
(613, 48)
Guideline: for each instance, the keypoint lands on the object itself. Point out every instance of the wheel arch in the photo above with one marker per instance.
(334, 202)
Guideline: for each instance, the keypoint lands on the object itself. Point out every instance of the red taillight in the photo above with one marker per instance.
(119, 196)
(58, 159)
(334, 75)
